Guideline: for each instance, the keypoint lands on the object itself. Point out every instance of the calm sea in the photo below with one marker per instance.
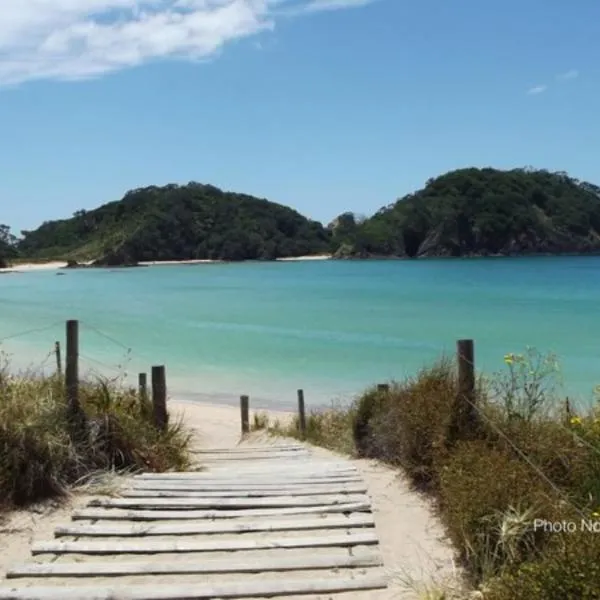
(329, 327)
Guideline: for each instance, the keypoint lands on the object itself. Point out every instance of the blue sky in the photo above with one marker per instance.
(323, 105)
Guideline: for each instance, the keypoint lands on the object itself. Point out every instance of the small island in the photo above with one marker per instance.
(466, 212)
(479, 212)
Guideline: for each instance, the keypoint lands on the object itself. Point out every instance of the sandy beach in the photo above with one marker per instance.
(27, 267)
(55, 265)
(412, 540)
(311, 257)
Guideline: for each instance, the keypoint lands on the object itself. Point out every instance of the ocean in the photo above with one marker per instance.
(331, 328)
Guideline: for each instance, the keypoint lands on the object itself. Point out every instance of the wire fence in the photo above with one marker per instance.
(114, 361)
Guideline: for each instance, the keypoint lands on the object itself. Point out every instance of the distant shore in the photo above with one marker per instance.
(55, 265)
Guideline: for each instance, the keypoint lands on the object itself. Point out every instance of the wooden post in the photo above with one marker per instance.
(465, 418)
(301, 414)
(143, 385)
(58, 358)
(245, 412)
(72, 367)
(143, 393)
(159, 397)
(74, 411)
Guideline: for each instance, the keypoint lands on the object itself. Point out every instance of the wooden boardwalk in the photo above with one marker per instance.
(258, 521)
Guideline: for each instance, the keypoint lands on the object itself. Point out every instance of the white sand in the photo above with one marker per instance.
(159, 263)
(55, 265)
(25, 267)
(411, 538)
(310, 257)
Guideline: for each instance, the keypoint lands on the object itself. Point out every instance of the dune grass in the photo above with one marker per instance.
(529, 462)
(40, 457)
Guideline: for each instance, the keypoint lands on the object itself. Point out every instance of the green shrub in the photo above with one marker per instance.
(483, 494)
(373, 402)
(411, 428)
(569, 570)
(40, 458)
(330, 428)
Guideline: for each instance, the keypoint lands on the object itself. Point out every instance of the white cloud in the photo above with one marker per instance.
(538, 89)
(79, 39)
(572, 74)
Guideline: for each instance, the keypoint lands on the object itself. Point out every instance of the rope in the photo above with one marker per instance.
(108, 337)
(522, 454)
(38, 330)
(99, 362)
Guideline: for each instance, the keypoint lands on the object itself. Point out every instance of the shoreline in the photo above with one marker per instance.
(57, 265)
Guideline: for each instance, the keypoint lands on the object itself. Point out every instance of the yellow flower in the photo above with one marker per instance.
(509, 359)
(575, 420)
(596, 514)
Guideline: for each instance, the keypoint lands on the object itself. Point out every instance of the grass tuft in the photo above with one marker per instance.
(41, 458)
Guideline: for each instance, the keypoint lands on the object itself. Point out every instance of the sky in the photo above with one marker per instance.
(322, 105)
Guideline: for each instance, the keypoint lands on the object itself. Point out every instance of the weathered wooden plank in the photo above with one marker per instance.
(119, 514)
(263, 476)
(278, 468)
(235, 485)
(178, 546)
(241, 589)
(220, 496)
(258, 456)
(209, 491)
(230, 565)
(275, 502)
(263, 480)
(244, 449)
(238, 526)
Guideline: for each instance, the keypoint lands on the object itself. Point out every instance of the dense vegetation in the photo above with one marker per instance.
(468, 212)
(523, 459)
(478, 212)
(8, 246)
(174, 222)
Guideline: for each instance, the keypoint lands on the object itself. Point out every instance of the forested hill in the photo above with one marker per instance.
(174, 222)
(479, 212)
(468, 212)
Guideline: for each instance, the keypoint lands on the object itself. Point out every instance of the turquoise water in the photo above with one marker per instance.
(329, 327)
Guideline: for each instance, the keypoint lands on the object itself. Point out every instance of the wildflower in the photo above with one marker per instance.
(575, 420)
(596, 514)
(509, 359)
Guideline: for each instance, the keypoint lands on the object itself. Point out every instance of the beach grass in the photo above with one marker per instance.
(40, 457)
(519, 494)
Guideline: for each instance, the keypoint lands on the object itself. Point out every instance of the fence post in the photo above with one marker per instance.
(159, 397)
(245, 412)
(58, 358)
(74, 410)
(465, 419)
(301, 414)
(143, 393)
